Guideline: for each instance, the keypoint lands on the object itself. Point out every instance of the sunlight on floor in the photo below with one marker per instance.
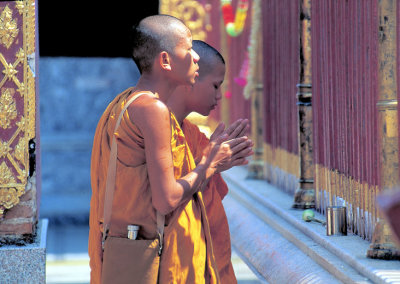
(74, 268)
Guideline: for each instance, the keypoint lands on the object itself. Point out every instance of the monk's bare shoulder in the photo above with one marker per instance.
(149, 113)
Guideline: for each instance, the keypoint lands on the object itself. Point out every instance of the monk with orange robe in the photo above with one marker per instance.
(202, 98)
(155, 168)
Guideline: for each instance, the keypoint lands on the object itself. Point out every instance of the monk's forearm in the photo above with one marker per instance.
(195, 181)
(192, 182)
(184, 189)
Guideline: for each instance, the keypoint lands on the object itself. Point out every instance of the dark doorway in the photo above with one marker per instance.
(89, 28)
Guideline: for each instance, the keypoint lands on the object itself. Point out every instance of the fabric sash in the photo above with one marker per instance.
(110, 183)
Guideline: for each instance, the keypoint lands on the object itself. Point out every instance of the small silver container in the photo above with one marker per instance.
(336, 220)
(133, 231)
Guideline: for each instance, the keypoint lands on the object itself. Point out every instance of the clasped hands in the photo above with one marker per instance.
(229, 147)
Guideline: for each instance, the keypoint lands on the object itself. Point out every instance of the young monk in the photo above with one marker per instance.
(155, 168)
(203, 97)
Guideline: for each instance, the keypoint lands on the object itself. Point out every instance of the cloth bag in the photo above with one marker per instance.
(126, 260)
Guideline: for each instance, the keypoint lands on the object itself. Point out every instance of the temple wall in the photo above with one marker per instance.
(74, 92)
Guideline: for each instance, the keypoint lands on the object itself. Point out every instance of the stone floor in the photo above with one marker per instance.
(68, 262)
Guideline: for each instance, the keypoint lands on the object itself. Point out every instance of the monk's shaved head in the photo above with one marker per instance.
(209, 57)
(153, 35)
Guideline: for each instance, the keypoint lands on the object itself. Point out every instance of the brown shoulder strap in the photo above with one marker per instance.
(110, 182)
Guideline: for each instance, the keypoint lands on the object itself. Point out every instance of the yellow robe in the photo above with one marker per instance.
(212, 196)
(187, 255)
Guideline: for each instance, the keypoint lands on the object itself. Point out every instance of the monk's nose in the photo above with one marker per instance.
(219, 94)
(196, 57)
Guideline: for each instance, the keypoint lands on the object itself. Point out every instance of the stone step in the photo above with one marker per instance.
(277, 243)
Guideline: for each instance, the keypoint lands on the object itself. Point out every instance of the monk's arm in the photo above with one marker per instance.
(153, 119)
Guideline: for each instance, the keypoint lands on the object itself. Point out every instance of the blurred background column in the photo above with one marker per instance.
(304, 196)
(254, 91)
(22, 235)
(382, 245)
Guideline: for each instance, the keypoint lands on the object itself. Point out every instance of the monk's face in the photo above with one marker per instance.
(184, 59)
(207, 91)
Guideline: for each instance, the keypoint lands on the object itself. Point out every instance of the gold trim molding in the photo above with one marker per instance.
(281, 168)
(17, 98)
(283, 159)
(191, 12)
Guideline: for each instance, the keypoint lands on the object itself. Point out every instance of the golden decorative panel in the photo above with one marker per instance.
(8, 27)
(17, 97)
(8, 109)
(192, 13)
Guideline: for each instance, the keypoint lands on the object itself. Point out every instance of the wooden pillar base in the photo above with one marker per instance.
(304, 198)
(256, 170)
(382, 246)
(383, 251)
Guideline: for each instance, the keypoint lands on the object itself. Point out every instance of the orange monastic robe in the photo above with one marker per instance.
(187, 254)
(212, 196)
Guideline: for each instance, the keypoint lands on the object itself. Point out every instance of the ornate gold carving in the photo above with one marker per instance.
(21, 123)
(4, 149)
(191, 12)
(20, 55)
(9, 197)
(8, 28)
(6, 174)
(19, 152)
(20, 5)
(8, 109)
(21, 89)
(22, 177)
(9, 71)
(17, 112)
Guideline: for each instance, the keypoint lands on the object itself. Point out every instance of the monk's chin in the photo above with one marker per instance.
(207, 113)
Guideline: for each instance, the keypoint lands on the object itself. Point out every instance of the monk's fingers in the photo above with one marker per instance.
(247, 144)
(240, 129)
(239, 162)
(220, 139)
(235, 141)
(213, 147)
(244, 153)
(220, 128)
(232, 127)
(236, 162)
(245, 130)
(218, 131)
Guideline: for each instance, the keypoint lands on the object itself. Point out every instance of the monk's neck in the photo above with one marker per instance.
(180, 116)
(157, 86)
(178, 108)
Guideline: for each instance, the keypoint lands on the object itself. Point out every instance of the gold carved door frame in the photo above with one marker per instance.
(17, 98)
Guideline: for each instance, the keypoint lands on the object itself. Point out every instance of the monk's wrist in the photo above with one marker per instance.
(206, 169)
(209, 172)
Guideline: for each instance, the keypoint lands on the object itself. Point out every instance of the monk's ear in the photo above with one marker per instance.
(165, 60)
